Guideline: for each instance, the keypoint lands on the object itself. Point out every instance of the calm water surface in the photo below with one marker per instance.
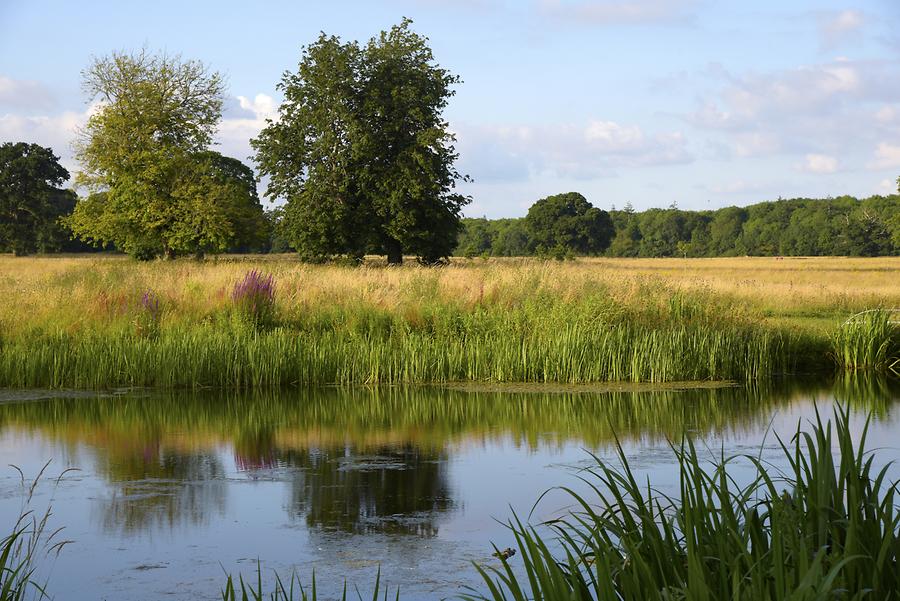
(172, 489)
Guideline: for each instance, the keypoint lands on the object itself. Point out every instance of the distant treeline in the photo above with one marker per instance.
(800, 227)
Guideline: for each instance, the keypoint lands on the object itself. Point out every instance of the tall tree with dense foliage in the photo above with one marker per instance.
(361, 151)
(31, 200)
(157, 190)
(568, 223)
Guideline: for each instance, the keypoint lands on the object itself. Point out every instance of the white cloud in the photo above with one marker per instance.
(887, 156)
(836, 28)
(839, 107)
(57, 132)
(582, 151)
(820, 163)
(618, 12)
(743, 100)
(25, 94)
(243, 119)
(886, 186)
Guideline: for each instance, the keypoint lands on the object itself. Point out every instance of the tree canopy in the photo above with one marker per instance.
(568, 223)
(361, 152)
(31, 200)
(156, 188)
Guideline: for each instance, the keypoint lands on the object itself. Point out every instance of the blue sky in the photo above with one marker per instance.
(701, 103)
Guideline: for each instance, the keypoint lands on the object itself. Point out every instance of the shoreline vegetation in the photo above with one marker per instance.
(99, 323)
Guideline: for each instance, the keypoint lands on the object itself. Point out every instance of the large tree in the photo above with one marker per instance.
(31, 200)
(361, 152)
(568, 223)
(157, 189)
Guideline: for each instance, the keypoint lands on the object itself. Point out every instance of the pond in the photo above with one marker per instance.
(171, 490)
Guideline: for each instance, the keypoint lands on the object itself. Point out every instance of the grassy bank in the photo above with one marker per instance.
(97, 323)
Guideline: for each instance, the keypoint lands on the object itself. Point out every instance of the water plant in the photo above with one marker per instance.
(23, 548)
(475, 348)
(828, 528)
(869, 340)
(292, 590)
(254, 298)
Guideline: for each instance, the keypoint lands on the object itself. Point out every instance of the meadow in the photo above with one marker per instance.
(100, 322)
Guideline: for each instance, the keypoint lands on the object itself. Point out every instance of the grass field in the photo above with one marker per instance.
(84, 321)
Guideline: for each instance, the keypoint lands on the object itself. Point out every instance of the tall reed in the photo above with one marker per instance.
(290, 590)
(22, 550)
(870, 340)
(828, 528)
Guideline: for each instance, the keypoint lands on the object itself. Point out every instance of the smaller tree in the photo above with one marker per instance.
(157, 189)
(568, 223)
(30, 198)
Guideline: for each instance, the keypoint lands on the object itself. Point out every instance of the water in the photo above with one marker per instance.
(169, 491)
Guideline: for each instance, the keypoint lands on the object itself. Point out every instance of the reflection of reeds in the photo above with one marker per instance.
(826, 529)
(259, 423)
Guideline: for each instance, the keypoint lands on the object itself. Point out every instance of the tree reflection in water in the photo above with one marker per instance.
(162, 489)
(393, 489)
(362, 459)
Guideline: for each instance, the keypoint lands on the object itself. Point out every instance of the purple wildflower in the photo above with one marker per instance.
(150, 304)
(254, 297)
(148, 315)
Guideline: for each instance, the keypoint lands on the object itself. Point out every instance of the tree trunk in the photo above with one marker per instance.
(168, 253)
(394, 252)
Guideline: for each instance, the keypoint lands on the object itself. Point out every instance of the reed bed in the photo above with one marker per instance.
(869, 341)
(99, 323)
(576, 352)
(829, 528)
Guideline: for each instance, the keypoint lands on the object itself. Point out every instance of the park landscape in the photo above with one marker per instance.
(363, 390)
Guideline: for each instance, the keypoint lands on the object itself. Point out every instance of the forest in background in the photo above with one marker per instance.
(792, 227)
(785, 227)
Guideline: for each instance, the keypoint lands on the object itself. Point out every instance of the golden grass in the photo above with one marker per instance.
(83, 292)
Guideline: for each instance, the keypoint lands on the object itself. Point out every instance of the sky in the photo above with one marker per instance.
(699, 103)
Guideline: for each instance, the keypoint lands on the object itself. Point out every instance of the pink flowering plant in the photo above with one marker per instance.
(148, 315)
(253, 299)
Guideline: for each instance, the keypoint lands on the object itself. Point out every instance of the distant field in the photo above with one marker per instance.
(816, 287)
(493, 320)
